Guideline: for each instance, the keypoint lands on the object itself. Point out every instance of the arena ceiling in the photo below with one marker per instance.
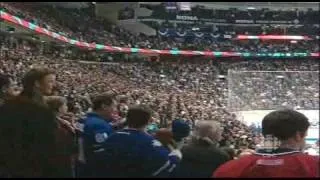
(214, 5)
(270, 5)
(257, 5)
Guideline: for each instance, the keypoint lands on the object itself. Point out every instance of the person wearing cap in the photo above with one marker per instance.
(282, 154)
(180, 130)
(202, 155)
(173, 137)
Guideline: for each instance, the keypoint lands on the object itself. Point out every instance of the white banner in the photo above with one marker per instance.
(187, 18)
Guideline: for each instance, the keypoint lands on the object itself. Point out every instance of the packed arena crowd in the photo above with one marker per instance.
(52, 95)
(98, 30)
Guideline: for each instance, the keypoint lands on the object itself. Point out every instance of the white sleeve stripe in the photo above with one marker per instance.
(99, 150)
(167, 164)
(176, 153)
(172, 167)
(123, 133)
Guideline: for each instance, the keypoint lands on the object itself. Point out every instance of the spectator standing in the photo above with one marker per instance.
(28, 130)
(66, 133)
(202, 155)
(132, 152)
(94, 130)
(287, 160)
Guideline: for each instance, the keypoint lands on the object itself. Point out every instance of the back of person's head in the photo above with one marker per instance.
(208, 130)
(57, 103)
(139, 116)
(38, 80)
(101, 101)
(285, 124)
(290, 127)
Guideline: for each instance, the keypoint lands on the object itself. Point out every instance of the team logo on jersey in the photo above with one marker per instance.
(101, 137)
(270, 162)
(156, 143)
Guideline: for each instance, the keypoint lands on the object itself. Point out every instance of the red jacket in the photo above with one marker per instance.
(288, 164)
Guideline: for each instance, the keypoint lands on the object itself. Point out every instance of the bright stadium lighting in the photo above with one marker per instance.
(251, 8)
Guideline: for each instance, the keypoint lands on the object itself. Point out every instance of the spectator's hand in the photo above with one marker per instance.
(165, 136)
(68, 120)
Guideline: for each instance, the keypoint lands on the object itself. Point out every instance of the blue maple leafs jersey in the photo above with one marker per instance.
(92, 133)
(132, 153)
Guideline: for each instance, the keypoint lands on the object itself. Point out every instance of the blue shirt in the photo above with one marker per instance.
(132, 153)
(93, 131)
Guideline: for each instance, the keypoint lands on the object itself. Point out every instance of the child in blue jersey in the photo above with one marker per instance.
(93, 130)
(133, 153)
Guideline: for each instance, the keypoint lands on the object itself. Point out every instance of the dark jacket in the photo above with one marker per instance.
(28, 140)
(67, 148)
(199, 159)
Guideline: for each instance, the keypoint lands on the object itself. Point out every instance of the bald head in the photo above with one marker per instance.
(208, 129)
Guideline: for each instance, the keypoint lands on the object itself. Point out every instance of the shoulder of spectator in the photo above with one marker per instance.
(228, 169)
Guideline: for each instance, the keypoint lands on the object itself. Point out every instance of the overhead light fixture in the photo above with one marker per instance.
(251, 8)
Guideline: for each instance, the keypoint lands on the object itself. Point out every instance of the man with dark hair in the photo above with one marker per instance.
(93, 131)
(287, 160)
(28, 131)
(38, 82)
(274, 123)
(138, 117)
(132, 152)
